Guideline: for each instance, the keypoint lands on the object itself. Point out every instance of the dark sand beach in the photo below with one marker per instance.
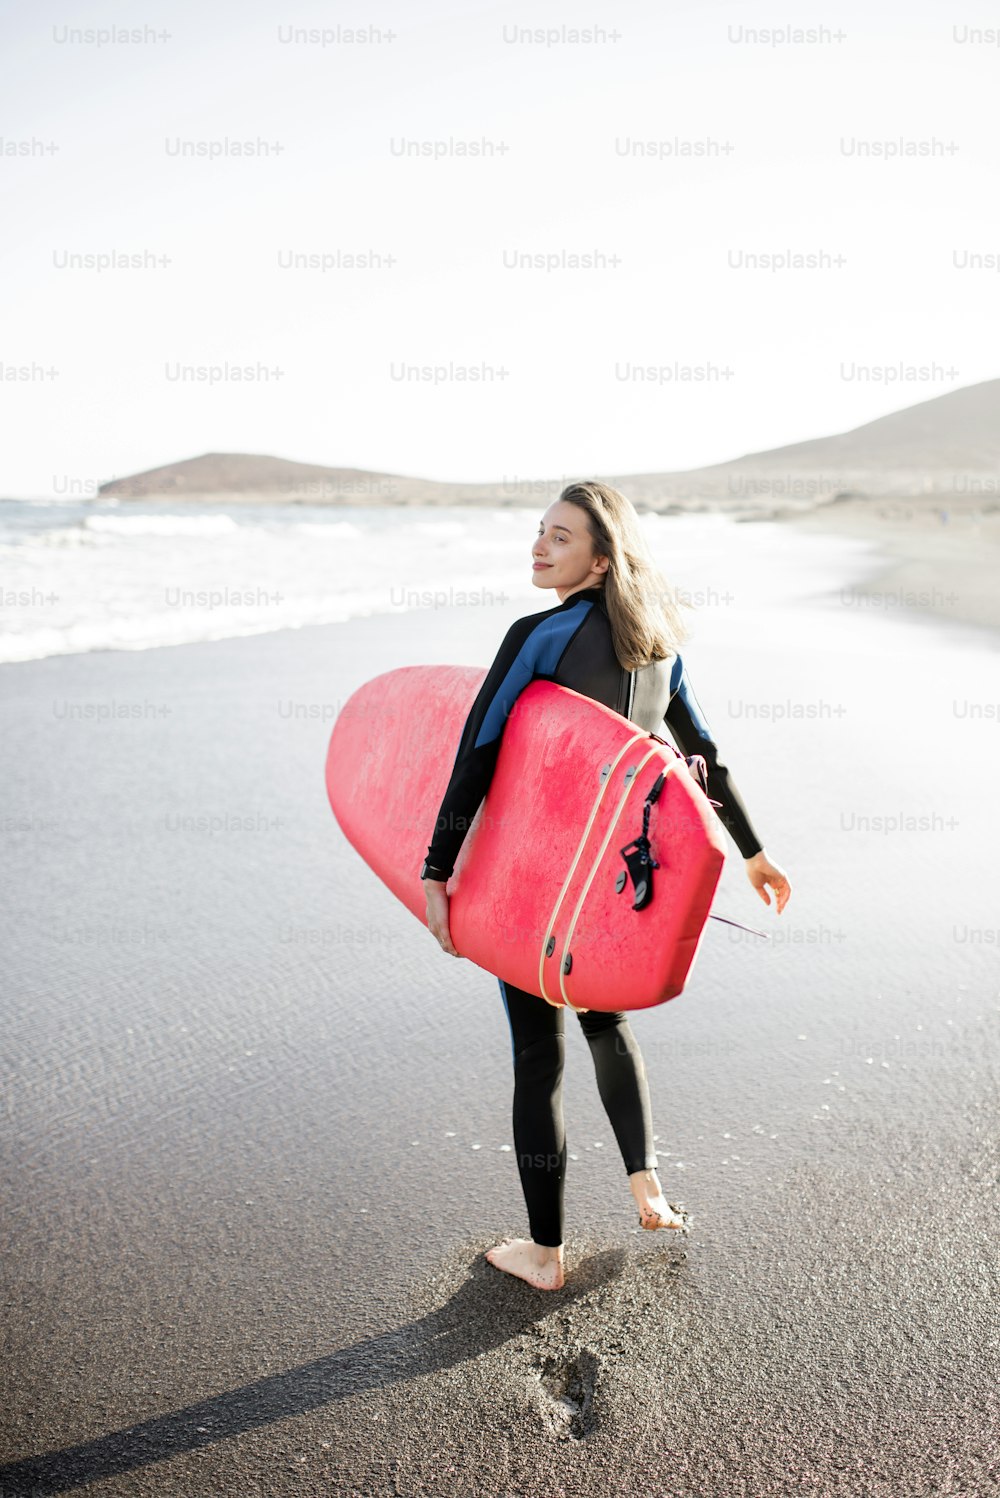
(255, 1121)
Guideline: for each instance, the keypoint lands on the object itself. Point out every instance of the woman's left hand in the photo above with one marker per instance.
(761, 872)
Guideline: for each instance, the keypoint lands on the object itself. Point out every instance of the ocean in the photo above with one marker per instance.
(82, 575)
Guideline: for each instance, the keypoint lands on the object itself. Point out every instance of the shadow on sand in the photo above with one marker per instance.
(487, 1310)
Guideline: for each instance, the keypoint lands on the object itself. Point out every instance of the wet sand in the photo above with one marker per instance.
(255, 1121)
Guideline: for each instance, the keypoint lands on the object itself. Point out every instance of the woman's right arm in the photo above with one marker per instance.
(479, 745)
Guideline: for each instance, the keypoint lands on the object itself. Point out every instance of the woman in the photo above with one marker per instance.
(613, 637)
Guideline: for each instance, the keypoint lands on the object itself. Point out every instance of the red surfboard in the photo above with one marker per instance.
(540, 896)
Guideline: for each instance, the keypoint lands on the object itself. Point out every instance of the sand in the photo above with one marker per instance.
(942, 553)
(255, 1120)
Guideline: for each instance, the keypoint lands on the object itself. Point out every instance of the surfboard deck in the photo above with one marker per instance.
(535, 896)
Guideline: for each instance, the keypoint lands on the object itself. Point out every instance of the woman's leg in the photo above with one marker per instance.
(538, 1048)
(621, 1081)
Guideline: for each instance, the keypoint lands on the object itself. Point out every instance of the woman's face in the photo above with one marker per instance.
(563, 553)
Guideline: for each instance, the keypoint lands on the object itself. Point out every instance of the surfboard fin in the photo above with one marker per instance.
(638, 855)
(640, 863)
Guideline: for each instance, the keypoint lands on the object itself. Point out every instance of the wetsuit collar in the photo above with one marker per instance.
(592, 594)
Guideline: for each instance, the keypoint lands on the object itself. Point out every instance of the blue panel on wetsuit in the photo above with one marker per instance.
(538, 656)
(680, 686)
(503, 995)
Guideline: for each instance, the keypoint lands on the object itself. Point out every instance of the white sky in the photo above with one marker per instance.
(565, 112)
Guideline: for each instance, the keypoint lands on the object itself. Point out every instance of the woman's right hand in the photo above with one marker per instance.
(436, 891)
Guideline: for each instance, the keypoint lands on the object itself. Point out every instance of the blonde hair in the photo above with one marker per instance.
(645, 615)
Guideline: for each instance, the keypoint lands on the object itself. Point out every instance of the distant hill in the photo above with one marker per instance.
(255, 476)
(947, 445)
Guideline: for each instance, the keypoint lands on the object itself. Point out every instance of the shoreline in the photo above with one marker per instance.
(933, 556)
(228, 597)
(921, 558)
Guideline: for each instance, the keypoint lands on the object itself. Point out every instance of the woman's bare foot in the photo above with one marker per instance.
(534, 1262)
(654, 1209)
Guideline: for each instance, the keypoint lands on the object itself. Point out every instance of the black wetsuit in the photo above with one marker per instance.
(572, 645)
